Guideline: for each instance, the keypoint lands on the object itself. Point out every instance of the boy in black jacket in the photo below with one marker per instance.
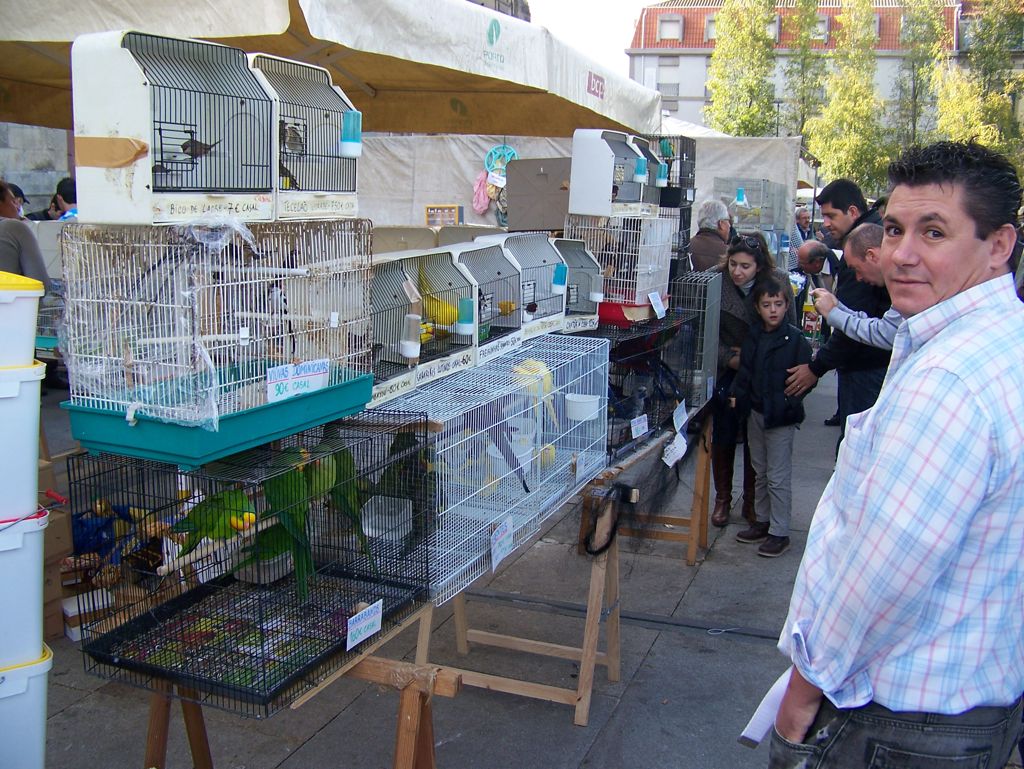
(773, 346)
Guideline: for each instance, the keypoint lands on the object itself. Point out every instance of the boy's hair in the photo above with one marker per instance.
(841, 194)
(991, 187)
(770, 286)
(66, 189)
(752, 243)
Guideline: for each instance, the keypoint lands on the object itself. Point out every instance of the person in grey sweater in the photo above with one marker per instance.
(19, 250)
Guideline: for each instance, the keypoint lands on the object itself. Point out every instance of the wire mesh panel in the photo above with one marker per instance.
(634, 253)
(237, 581)
(392, 298)
(584, 284)
(499, 291)
(211, 118)
(516, 437)
(308, 127)
(186, 324)
(693, 354)
(767, 203)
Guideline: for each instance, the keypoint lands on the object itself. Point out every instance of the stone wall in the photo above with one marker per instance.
(35, 159)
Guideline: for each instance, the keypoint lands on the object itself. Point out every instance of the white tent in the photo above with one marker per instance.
(671, 126)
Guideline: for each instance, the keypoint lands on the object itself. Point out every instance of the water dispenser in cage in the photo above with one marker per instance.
(499, 296)
(169, 130)
(584, 285)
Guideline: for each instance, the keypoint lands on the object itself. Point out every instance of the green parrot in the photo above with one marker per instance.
(412, 475)
(220, 516)
(320, 472)
(348, 496)
(287, 496)
(270, 543)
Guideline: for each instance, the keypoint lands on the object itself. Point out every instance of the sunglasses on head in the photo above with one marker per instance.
(748, 242)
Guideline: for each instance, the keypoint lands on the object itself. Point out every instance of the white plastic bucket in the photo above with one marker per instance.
(581, 408)
(19, 449)
(19, 303)
(21, 600)
(23, 711)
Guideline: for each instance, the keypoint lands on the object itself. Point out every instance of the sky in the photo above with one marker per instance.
(602, 29)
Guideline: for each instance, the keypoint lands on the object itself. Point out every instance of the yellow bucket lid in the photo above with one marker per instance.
(10, 281)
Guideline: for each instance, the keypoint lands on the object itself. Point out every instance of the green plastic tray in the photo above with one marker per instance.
(189, 447)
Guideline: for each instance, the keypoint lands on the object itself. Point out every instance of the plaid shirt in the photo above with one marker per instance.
(911, 589)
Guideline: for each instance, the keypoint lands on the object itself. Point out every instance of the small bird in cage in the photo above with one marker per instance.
(277, 306)
(291, 138)
(196, 149)
(288, 180)
(220, 516)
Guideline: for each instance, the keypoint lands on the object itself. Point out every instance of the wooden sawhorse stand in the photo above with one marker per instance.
(603, 598)
(414, 741)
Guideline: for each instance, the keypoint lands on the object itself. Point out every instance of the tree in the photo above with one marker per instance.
(805, 68)
(924, 39)
(848, 136)
(740, 78)
(994, 32)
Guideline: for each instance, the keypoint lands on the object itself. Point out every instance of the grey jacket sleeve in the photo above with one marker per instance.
(32, 264)
(877, 332)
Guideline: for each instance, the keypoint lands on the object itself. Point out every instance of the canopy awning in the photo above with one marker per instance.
(444, 66)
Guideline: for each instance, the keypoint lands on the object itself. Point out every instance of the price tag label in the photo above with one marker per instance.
(501, 542)
(364, 624)
(680, 417)
(293, 379)
(638, 426)
(675, 450)
(657, 304)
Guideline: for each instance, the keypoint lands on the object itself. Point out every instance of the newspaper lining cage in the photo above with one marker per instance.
(237, 581)
(423, 309)
(542, 271)
(584, 284)
(634, 253)
(199, 116)
(309, 120)
(499, 295)
(516, 438)
(183, 324)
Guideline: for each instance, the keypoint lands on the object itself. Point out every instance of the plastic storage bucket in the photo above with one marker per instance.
(19, 303)
(21, 600)
(19, 450)
(23, 712)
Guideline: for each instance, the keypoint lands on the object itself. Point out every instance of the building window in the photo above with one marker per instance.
(709, 27)
(821, 29)
(773, 28)
(670, 28)
(668, 89)
(668, 69)
(878, 26)
(967, 27)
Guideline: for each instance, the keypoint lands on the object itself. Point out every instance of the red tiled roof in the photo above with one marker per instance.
(695, 12)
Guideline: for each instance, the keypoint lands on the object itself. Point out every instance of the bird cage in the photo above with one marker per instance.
(499, 297)
(543, 277)
(584, 289)
(423, 319)
(238, 582)
(634, 253)
(245, 332)
(313, 178)
(168, 130)
(514, 439)
(766, 205)
(696, 297)
(609, 174)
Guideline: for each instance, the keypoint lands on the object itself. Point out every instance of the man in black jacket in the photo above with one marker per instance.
(860, 368)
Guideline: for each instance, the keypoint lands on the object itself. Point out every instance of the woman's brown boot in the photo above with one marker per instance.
(721, 472)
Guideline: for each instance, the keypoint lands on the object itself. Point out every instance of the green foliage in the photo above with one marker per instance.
(995, 31)
(805, 68)
(924, 37)
(967, 111)
(848, 136)
(740, 74)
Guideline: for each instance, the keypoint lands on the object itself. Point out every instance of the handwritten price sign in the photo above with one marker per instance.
(293, 379)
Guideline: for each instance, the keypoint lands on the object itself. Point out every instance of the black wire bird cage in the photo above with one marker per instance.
(237, 582)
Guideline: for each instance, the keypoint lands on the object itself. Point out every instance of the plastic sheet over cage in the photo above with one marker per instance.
(309, 120)
(543, 277)
(499, 296)
(238, 581)
(516, 438)
(634, 253)
(191, 325)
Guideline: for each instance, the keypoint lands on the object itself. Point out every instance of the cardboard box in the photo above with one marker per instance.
(53, 620)
(57, 542)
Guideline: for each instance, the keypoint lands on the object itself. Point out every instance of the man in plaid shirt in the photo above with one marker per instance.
(905, 623)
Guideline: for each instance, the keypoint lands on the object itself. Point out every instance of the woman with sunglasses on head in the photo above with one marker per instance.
(746, 260)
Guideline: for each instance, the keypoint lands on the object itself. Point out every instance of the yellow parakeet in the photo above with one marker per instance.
(543, 389)
(441, 312)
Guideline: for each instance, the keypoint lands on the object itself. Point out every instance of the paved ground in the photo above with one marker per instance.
(698, 652)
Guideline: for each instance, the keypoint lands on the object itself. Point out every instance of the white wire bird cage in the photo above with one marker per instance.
(423, 306)
(264, 330)
(693, 354)
(543, 279)
(634, 253)
(514, 440)
(238, 581)
(611, 174)
(499, 297)
(168, 130)
(314, 179)
(584, 285)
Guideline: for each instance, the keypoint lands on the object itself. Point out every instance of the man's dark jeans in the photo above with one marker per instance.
(874, 737)
(858, 391)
